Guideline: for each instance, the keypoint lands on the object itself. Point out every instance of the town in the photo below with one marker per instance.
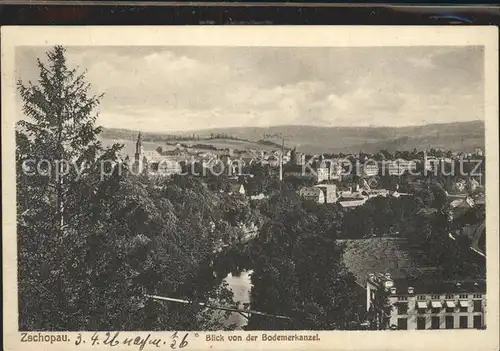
(455, 179)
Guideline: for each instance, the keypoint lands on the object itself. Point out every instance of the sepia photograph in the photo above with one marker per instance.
(281, 189)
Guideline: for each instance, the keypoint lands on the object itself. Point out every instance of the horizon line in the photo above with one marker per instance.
(291, 125)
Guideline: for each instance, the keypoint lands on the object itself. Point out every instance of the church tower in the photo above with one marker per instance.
(139, 155)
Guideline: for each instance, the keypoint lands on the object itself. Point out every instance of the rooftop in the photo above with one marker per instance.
(439, 286)
(384, 255)
(404, 262)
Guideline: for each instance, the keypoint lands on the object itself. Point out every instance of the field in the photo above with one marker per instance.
(465, 136)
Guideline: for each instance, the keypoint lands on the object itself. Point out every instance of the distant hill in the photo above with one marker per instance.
(462, 136)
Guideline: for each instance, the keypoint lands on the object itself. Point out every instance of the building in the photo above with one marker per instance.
(260, 196)
(378, 193)
(322, 174)
(473, 185)
(431, 163)
(368, 170)
(459, 206)
(153, 162)
(348, 204)
(233, 187)
(464, 203)
(327, 170)
(300, 158)
(335, 170)
(273, 161)
(399, 167)
(459, 186)
(350, 199)
(404, 291)
(330, 191)
(312, 194)
(421, 304)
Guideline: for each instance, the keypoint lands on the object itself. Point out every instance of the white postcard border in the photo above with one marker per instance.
(317, 36)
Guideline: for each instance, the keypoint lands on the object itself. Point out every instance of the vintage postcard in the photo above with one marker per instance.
(222, 188)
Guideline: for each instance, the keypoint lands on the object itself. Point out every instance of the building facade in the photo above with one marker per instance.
(399, 167)
(330, 191)
(312, 194)
(421, 305)
(368, 170)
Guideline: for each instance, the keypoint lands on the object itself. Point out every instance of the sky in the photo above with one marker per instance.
(167, 89)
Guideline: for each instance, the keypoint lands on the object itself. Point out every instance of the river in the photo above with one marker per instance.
(241, 287)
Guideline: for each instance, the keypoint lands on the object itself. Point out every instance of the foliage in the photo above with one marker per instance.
(381, 217)
(316, 291)
(380, 311)
(93, 242)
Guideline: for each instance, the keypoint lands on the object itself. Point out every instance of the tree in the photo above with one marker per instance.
(95, 240)
(427, 196)
(298, 269)
(380, 310)
(56, 152)
(60, 127)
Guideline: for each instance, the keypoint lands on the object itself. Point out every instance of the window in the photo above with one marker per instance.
(420, 323)
(402, 323)
(450, 306)
(477, 306)
(477, 296)
(421, 297)
(434, 322)
(402, 298)
(449, 321)
(477, 322)
(464, 322)
(436, 310)
(464, 306)
(435, 297)
(421, 307)
(464, 296)
(449, 297)
(402, 308)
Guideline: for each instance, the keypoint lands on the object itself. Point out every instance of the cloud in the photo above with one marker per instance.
(181, 88)
(421, 62)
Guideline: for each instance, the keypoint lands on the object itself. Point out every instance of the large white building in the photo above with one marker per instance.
(429, 305)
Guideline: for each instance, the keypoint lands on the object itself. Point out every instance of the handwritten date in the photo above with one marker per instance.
(176, 340)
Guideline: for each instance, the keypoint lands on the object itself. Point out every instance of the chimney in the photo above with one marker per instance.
(411, 290)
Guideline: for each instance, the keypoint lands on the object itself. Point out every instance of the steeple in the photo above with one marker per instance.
(138, 144)
(139, 154)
